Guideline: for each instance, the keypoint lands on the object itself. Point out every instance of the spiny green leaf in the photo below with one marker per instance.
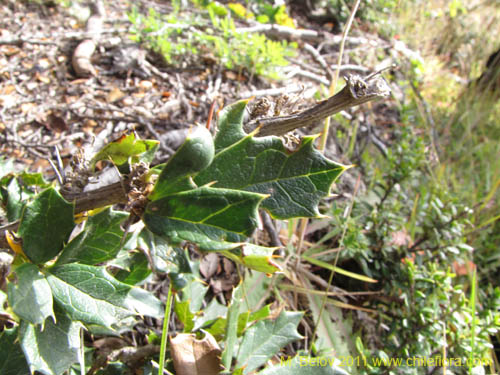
(138, 272)
(33, 179)
(195, 154)
(294, 180)
(204, 213)
(256, 257)
(53, 350)
(123, 148)
(31, 297)
(266, 338)
(89, 294)
(210, 314)
(46, 224)
(98, 242)
(213, 219)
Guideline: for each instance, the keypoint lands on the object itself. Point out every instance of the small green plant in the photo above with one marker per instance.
(179, 40)
(410, 233)
(65, 280)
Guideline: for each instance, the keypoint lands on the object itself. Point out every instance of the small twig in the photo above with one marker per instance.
(319, 59)
(274, 238)
(357, 91)
(20, 41)
(307, 74)
(279, 31)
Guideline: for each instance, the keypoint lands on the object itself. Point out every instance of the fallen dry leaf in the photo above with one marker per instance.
(195, 357)
(209, 265)
(114, 95)
(42, 78)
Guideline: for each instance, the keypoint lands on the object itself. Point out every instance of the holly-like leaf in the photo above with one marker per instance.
(195, 154)
(204, 212)
(266, 338)
(91, 295)
(98, 242)
(123, 148)
(31, 297)
(46, 224)
(54, 349)
(12, 360)
(215, 220)
(259, 258)
(294, 180)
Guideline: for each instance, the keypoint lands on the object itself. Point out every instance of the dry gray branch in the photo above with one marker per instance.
(357, 91)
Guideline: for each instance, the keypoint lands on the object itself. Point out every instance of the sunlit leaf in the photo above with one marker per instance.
(123, 148)
(89, 294)
(30, 297)
(53, 350)
(266, 338)
(295, 181)
(99, 241)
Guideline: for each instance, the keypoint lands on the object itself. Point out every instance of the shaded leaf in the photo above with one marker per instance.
(46, 224)
(266, 338)
(194, 292)
(194, 155)
(211, 313)
(213, 219)
(53, 350)
(89, 294)
(334, 330)
(138, 272)
(12, 360)
(31, 297)
(98, 242)
(294, 180)
(14, 197)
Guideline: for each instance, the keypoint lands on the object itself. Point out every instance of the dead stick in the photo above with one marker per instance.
(357, 91)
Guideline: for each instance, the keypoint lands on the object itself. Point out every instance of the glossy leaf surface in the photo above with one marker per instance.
(53, 350)
(99, 241)
(46, 224)
(89, 294)
(294, 180)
